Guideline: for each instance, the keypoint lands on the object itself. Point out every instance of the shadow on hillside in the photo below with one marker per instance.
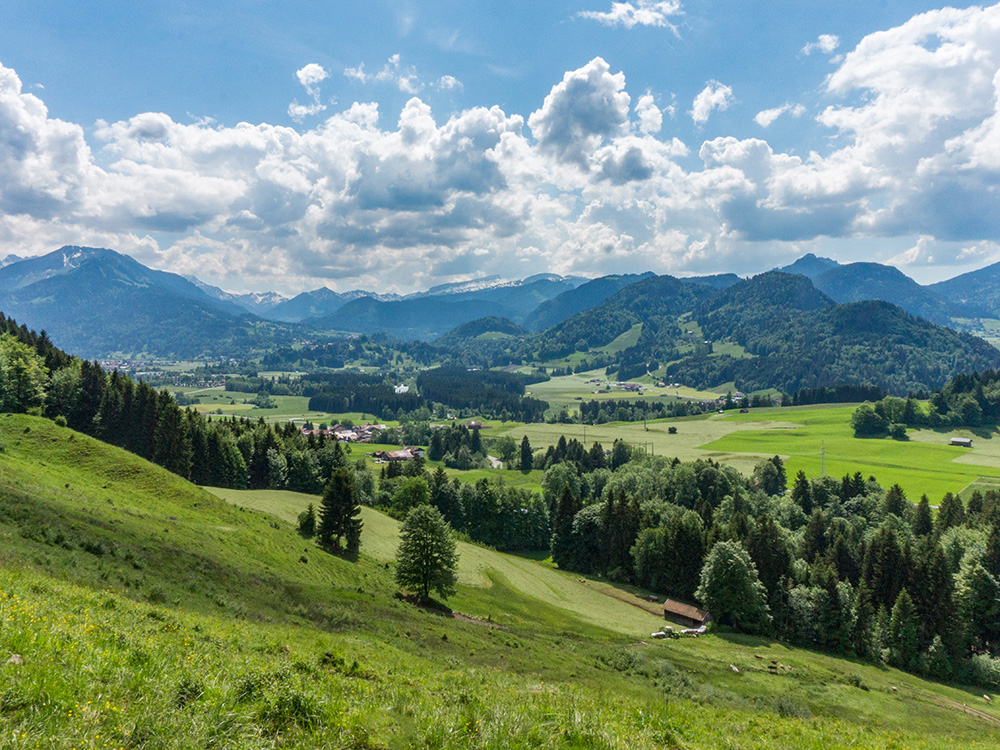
(431, 605)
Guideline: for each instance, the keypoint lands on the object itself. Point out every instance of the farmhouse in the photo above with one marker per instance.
(685, 614)
(405, 454)
(961, 442)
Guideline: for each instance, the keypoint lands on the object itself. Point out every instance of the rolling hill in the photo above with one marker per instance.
(145, 612)
(644, 301)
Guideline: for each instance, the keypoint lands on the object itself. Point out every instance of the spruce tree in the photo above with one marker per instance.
(802, 493)
(562, 527)
(435, 451)
(814, 537)
(339, 514)
(991, 556)
(904, 647)
(895, 502)
(923, 523)
(526, 462)
(951, 512)
(307, 522)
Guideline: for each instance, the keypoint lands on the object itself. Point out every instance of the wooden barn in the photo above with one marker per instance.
(961, 442)
(685, 614)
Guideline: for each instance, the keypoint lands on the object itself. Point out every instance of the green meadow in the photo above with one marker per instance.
(924, 463)
(569, 390)
(145, 612)
(212, 401)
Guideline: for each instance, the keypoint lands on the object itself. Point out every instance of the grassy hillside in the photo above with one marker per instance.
(145, 612)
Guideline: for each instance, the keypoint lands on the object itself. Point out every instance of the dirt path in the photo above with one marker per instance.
(958, 706)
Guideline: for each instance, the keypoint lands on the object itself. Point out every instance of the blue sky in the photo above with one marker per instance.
(402, 144)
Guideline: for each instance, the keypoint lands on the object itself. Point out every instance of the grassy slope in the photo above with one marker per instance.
(149, 613)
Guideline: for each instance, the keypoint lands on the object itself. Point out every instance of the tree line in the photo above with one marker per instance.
(37, 377)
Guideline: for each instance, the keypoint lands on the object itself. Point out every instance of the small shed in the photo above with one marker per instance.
(685, 614)
(961, 442)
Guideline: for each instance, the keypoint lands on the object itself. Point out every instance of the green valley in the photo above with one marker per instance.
(145, 612)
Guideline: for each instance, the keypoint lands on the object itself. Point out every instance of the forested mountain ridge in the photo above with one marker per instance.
(569, 303)
(856, 282)
(802, 339)
(319, 303)
(980, 288)
(645, 301)
(427, 317)
(498, 327)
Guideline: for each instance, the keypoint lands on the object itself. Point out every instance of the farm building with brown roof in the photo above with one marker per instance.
(685, 614)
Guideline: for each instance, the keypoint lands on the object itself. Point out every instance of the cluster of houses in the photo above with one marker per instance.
(605, 386)
(358, 434)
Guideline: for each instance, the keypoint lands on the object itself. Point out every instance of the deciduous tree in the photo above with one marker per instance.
(426, 559)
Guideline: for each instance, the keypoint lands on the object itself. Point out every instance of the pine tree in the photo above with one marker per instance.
(895, 502)
(686, 553)
(435, 451)
(950, 512)
(307, 522)
(885, 568)
(865, 623)
(991, 556)
(814, 537)
(562, 527)
(171, 439)
(595, 457)
(904, 647)
(426, 559)
(339, 515)
(974, 508)
(802, 493)
(923, 524)
(932, 584)
(526, 463)
(620, 454)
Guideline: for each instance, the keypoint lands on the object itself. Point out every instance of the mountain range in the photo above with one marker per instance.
(100, 303)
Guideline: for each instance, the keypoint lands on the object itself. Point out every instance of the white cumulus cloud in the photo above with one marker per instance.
(655, 13)
(921, 254)
(448, 83)
(414, 197)
(715, 96)
(650, 116)
(826, 43)
(589, 105)
(766, 117)
(310, 76)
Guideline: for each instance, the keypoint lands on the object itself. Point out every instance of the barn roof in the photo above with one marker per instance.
(685, 610)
